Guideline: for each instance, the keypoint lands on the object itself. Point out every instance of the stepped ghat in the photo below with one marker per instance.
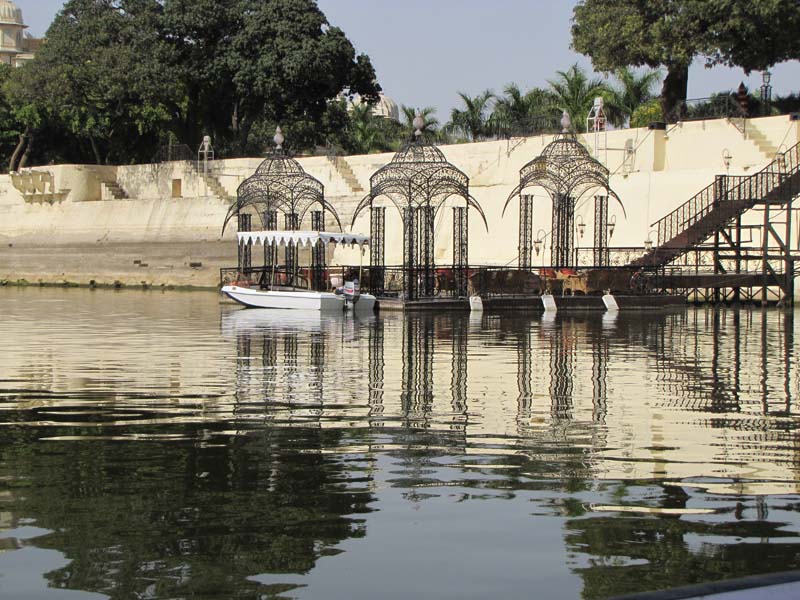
(160, 224)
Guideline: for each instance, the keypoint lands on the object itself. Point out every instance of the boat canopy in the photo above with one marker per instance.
(301, 238)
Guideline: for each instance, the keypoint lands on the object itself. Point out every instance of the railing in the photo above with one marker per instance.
(720, 106)
(617, 256)
(744, 191)
(504, 128)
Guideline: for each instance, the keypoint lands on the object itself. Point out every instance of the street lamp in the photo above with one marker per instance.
(539, 241)
(612, 223)
(581, 226)
(766, 92)
(727, 157)
(648, 243)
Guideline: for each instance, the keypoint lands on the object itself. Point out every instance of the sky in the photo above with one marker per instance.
(426, 51)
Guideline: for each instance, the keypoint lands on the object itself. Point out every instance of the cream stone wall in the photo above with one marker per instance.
(663, 170)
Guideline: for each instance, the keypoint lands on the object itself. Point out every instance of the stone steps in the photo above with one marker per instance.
(765, 146)
(113, 189)
(346, 172)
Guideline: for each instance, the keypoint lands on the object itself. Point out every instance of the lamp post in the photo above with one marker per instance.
(539, 242)
(766, 93)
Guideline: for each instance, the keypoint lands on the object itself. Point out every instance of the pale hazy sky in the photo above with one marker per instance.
(425, 51)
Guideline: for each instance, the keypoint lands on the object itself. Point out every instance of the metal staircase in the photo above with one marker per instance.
(717, 206)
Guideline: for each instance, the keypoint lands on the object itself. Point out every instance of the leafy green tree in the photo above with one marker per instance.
(95, 77)
(470, 121)
(671, 33)
(647, 113)
(245, 60)
(574, 92)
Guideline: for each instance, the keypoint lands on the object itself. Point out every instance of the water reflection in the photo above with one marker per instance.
(164, 446)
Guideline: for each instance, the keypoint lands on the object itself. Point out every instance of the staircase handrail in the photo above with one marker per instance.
(702, 203)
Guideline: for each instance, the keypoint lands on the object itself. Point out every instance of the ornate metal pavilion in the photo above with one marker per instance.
(567, 171)
(281, 185)
(418, 181)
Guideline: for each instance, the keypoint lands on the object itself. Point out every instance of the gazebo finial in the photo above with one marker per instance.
(566, 122)
(418, 124)
(278, 139)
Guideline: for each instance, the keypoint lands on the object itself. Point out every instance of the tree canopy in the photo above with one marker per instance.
(119, 76)
(672, 33)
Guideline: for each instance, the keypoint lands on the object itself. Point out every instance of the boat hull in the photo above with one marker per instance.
(285, 300)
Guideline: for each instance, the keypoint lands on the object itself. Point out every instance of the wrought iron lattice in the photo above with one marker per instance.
(418, 181)
(601, 253)
(409, 252)
(376, 368)
(562, 250)
(318, 251)
(270, 220)
(425, 257)
(291, 222)
(525, 231)
(377, 256)
(460, 249)
(458, 381)
(245, 251)
(280, 184)
(567, 171)
(416, 398)
(562, 375)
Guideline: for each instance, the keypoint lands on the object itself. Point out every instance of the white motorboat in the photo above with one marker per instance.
(347, 297)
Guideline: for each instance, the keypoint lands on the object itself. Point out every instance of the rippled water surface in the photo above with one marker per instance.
(161, 445)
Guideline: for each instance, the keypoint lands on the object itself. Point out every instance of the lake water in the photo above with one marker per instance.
(161, 445)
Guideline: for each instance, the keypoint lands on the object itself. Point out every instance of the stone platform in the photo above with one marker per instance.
(533, 303)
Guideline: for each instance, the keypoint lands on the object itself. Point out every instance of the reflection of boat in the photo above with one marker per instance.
(282, 297)
(247, 321)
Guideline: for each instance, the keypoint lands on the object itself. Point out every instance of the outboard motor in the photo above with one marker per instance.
(351, 293)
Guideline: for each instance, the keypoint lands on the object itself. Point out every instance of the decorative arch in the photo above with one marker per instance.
(280, 185)
(567, 172)
(418, 181)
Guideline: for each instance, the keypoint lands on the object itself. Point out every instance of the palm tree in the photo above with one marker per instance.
(633, 91)
(365, 133)
(574, 92)
(471, 120)
(521, 113)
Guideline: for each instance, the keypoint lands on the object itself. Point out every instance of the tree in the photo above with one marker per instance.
(671, 33)
(471, 120)
(633, 91)
(522, 113)
(245, 60)
(97, 78)
(574, 92)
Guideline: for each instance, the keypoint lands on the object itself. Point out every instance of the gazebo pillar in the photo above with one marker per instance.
(377, 248)
(525, 231)
(409, 253)
(427, 261)
(460, 249)
(245, 251)
(562, 250)
(290, 253)
(601, 231)
(318, 252)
